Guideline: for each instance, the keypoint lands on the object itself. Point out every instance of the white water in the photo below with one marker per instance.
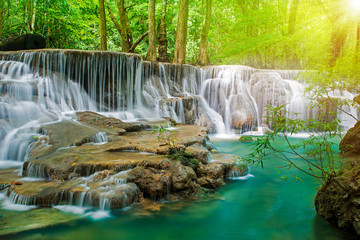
(46, 86)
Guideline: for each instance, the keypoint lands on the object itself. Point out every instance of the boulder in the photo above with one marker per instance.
(23, 42)
(338, 201)
(153, 184)
(182, 177)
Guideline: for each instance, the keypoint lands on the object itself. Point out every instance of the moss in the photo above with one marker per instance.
(186, 158)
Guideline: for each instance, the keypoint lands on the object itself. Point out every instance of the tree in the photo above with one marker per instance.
(31, 14)
(313, 156)
(292, 16)
(291, 56)
(126, 35)
(151, 54)
(4, 13)
(203, 53)
(181, 33)
(162, 36)
(103, 26)
(123, 28)
(357, 40)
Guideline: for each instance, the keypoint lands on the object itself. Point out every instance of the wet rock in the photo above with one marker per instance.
(182, 177)
(199, 152)
(108, 122)
(212, 170)
(191, 106)
(130, 167)
(339, 203)
(153, 184)
(350, 144)
(209, 183)
(205, 121)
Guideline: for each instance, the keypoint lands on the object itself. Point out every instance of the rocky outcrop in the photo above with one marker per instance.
(350, 144)
(132, 165)
(338, 201)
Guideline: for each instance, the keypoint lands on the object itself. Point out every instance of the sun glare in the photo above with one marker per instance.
(355, 5)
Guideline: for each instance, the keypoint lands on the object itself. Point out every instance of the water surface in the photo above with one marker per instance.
(258, 208)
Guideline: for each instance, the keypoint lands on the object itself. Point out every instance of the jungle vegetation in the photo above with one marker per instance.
(282, 34)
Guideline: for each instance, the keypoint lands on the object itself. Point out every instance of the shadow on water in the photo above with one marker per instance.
(321, 231)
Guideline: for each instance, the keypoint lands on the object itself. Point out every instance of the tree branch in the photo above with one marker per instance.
(113, 19)
(132, 49)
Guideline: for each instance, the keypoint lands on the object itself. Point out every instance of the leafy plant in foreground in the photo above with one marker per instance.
(166, 135)
(313, 156)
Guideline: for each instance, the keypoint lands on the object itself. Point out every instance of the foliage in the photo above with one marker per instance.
(246, 139)
(166, 135)
(186, 158)
(313, 156)
(248, 32)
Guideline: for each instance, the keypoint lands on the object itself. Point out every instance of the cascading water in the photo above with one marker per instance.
(41, 86)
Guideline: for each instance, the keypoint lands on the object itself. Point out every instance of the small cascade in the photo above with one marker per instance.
(100, 190)
(348, 115)
(16, 198)
(37, 171)
(100, 138)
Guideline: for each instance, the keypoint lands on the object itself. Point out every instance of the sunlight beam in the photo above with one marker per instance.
(355, 5)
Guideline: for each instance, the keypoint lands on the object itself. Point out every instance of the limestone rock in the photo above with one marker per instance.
(182, 177)
(199, 152)
(153, 184)
(350, 144)
(338, 201)
(132, 166)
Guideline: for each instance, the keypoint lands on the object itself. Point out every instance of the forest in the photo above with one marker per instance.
(282, 34)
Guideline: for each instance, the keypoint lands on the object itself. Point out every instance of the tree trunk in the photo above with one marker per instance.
(181, 32)
(292, 58)
(293, 15)
(126, 35)
(113, 19)
(31, 14)
(162, 38)
(102, 26)
(338, 37)
(357, 41)
(203, 53)
(4, 14)
(151, 54)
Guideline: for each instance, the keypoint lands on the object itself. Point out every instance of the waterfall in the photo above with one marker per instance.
(38, 87)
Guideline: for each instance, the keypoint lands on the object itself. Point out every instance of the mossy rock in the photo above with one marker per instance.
(23, 42)
(246, 139)
(186, 158)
